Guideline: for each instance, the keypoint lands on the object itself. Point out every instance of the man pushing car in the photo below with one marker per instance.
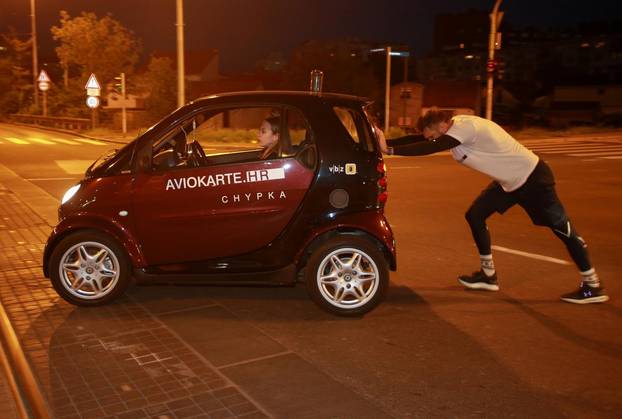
(519, 177)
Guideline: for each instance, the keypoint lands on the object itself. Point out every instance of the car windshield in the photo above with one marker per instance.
(106, 159)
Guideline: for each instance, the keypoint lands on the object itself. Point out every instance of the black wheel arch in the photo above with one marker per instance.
(50, 246)
(328, 235)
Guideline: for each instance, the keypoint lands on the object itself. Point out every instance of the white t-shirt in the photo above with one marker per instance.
(488, 148)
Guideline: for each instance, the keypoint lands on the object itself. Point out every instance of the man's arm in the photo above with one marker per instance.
(407, 139)
(406, 146)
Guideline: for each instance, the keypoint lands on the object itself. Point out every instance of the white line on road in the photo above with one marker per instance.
(16, 140)
(531, 255)
(64, 141)
(84, 140)
(578, 148)
(50, 178)
(40, 140)
(603, 153)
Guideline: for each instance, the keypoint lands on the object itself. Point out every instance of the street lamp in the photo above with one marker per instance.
(387, 87)
(495, 20)
(181, 94)
(35, 64)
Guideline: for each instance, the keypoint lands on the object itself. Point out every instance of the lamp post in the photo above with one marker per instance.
(495, 20)
(35, 64)
(181, 94)
(387, 86)
(387, 91)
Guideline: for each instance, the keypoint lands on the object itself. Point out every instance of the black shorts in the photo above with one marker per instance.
(537, 196)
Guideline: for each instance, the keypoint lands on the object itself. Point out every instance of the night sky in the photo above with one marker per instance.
(247, 30)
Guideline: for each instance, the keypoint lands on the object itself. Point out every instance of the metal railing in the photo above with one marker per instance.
(53, 121)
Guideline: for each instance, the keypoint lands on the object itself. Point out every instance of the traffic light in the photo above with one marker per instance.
(491, 66)
(119, 85)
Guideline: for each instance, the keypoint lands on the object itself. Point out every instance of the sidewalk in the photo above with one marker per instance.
(116, 361)
(8, 409)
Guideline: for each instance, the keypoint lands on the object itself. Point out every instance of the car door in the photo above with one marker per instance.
(233, 203)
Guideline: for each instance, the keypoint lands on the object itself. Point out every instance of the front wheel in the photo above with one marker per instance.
(88, 268)
(347, 276)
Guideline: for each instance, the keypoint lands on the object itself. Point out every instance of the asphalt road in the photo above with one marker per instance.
(431, 349)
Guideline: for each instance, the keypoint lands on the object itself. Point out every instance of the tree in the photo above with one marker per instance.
(160, 81)
(15, 76)
(102, 46)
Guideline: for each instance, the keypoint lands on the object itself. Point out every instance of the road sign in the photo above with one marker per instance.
(92, 86)
(92, 102)
(43, 77)
(92, 83)
(43, 81)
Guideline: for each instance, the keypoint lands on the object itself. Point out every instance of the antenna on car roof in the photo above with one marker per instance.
(316, 79)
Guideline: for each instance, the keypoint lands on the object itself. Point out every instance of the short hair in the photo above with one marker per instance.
(433, 116)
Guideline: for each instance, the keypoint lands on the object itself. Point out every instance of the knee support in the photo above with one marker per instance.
(574, 243)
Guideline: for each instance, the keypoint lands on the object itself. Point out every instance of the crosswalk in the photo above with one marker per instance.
(606, 148)
(49, 141)
(587, 148)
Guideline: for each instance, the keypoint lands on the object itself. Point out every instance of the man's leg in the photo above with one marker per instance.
(492, 199)
(545, 209)
(590, 290)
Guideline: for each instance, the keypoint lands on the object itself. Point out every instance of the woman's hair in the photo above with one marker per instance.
(433, 116)
(275, 124)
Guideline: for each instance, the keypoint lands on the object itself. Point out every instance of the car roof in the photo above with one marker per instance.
(290, 96)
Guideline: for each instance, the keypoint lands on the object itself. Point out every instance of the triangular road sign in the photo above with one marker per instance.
(43, 77)
(92, 83)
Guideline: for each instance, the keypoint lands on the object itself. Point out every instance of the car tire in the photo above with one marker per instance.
(88, 268)
(347, 276)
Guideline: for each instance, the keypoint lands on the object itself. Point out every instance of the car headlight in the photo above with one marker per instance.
(70, 193)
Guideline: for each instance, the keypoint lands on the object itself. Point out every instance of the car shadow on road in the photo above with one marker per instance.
(112, 359)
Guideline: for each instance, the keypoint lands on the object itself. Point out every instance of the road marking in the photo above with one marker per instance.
(94, 142)
(41, 141)
(74, 167)
(578, 147)
(531, 255)
(64, 141)
(612, 157)
(50, 178)
(602, 153)
(16, 140)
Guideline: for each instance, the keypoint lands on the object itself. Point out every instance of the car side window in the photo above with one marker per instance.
(356, 125)
(346, 117)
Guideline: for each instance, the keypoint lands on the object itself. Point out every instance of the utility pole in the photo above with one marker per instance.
(495, 20)
(181, 94)
(123, 110)
(387, 92)
(35, 64)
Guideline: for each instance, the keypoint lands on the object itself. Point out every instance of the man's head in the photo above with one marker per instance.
(434, 123)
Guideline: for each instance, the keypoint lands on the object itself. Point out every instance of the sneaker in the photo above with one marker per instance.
(479, 281)
(586, 295)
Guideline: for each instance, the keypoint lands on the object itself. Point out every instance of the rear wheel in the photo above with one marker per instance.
(89, 268)
(347, 276)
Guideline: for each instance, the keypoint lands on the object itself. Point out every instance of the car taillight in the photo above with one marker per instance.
(383, 195)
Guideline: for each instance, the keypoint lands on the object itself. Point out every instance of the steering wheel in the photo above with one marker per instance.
(198, 155)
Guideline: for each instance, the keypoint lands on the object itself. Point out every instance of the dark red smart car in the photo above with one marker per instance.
(195, 199)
